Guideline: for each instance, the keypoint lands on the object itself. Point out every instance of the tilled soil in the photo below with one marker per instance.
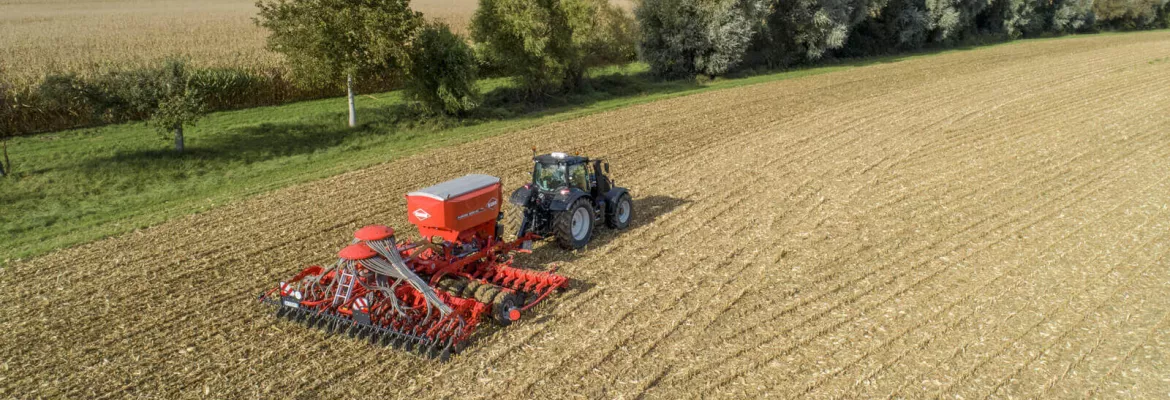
(979, 223)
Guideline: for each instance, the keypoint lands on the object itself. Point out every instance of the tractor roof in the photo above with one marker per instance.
(557, 158)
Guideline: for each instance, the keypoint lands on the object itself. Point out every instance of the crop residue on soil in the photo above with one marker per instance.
(979, 223)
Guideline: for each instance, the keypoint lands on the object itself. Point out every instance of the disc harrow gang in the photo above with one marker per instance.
(426, 296)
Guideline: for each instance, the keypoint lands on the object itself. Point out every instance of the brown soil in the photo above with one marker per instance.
(980, 223)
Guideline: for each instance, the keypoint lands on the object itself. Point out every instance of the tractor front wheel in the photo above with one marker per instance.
(622, 213)
(574, 227)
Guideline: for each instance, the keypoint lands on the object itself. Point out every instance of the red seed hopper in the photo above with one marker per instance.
(428, 295)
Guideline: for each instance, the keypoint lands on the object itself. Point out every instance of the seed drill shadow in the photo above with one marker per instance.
(646, 211)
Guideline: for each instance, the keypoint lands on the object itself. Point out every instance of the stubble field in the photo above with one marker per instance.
(59, 36)
(985, 223)
(45, 36)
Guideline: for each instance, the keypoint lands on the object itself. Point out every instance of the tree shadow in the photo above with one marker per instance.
(509, 102)
(256, 143)
(272, 140)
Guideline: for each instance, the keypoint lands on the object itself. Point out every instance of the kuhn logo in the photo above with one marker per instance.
(421, 214)
(493, 202)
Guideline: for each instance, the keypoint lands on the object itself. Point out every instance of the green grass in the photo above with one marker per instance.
(78, 186)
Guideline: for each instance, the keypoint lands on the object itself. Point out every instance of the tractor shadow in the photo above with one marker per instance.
(547, 255)
(647, 210)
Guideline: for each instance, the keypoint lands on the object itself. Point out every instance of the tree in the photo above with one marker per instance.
(612, 37)
(806, 30)
(335, 42)
(6, 165)
(6, 127)
(443, 72)
(681, 38)
(170, 98)
(537, 40)
(183, 106)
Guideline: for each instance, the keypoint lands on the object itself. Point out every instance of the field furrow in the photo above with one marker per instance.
(979, 223)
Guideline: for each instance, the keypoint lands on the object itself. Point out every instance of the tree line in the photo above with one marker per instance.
(546, 45)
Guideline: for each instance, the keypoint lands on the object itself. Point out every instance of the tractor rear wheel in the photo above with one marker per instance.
(623, 213)
(574, 227)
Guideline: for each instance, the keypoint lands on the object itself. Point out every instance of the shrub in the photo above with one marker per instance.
(1071, 15)
(612, 38)
(544, 42)
(443, 72)
(1130, 14)
(681, 38)
(65, 101)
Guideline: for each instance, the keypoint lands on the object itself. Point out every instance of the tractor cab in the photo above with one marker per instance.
(556, 171)
(568, 193)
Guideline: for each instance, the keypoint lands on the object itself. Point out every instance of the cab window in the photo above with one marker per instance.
(578, 177)
(549, 177)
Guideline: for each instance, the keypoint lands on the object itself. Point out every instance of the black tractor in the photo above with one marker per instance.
(568, 195)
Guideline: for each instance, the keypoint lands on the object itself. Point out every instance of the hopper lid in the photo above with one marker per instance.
(456, 187)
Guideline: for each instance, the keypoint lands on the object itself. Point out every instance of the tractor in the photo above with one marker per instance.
(568, 195)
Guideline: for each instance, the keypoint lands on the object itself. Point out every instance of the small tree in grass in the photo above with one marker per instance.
(4, 133)
(176, 110)
(5, 164)
(7, 127)
(172, 100)
(338, 41)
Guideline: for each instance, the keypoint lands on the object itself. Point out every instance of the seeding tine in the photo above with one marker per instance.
(281, 312)
(445, 354)
(433, 350)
